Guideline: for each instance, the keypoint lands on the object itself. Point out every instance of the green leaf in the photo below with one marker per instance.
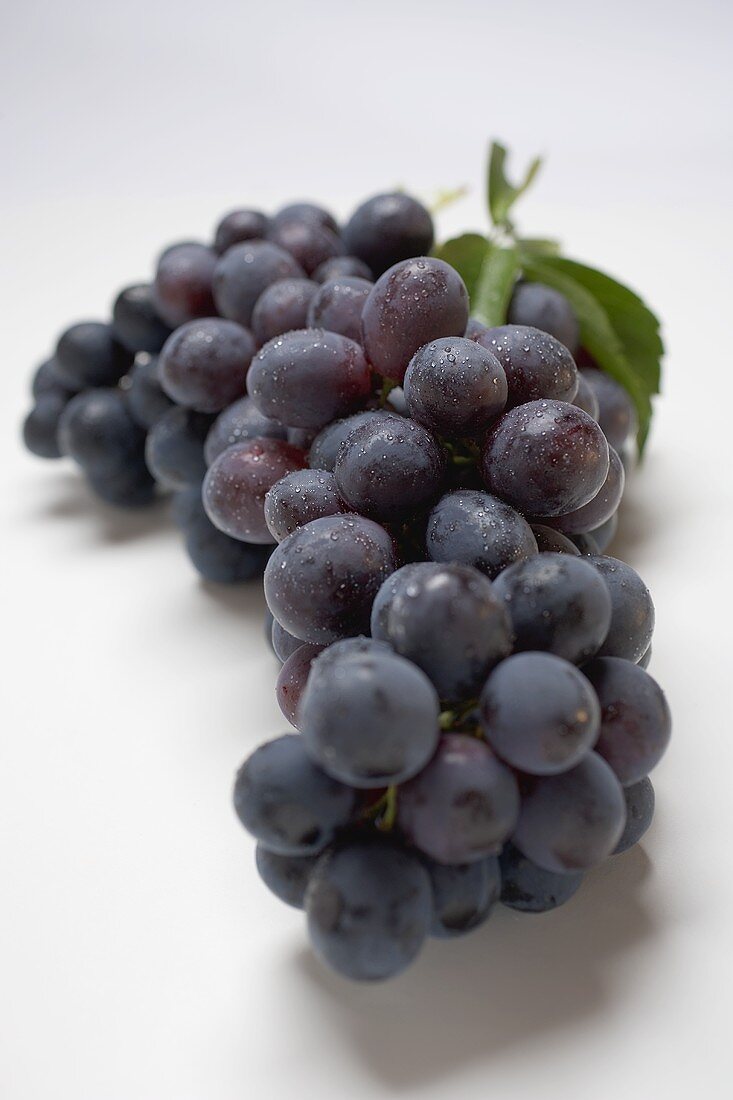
(539, 246)
(597, 334)
(634, 323)
(489, 272)
(501, 193)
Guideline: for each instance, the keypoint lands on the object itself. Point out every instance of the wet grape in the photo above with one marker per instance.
(455, 387)
(244, 272)
(204, 364)
(237, 482)
(475, 528)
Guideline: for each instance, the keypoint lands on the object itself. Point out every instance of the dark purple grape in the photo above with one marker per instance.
(215, 556)
(237, 481)
(310, 244)
(308, 213)
(369, 907)
(339, 267)
(474, 528)
(532, 889)
(47, 381)
(539, 713)
(288, 804)
(572, 821)
(553, 541)
(293, 678)
(632, 616)
(338, 306)
(558, 604)
(145, 397)
(204, 364)
(308, 378)
(368, 717)
(414, 302)
(475, 328)
(88, 355)
(97, 431)
(40, 427)
(136, 321)
(298, 498)
(463, 895)
(321, 580)
(131, 486)
(645, 659)
(286, 876)
(586, 398)
(585, 544)
(547, 309)
(182, 290)
(447, 620)
(238, 423)
(244, 272)
(238, 226)
(327, 445)
(616, 413)
(546, 458)
(283, 643)
(603, 505)
(388, 228)
(606, 533)
(536, 365)
(463, 805)
(635, 719)
(455, 386)
(639, 813)
(390, 467)
(301, 437)
(174, 448)
(282, 307)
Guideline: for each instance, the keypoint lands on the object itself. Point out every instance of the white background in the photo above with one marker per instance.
(141, 958)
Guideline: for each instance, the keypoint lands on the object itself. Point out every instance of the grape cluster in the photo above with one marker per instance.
(430, 501)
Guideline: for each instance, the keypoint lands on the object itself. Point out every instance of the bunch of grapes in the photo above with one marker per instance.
(430, 500)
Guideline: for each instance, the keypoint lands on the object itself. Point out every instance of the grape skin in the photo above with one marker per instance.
(329, 442)
(639, 813)
(601, 508)
(131, 486)
(214, 555)
(545, 458)
(463, 895)
(447, 619)
(632, 617)
(308, 378)
(238, 423)
(390, 467)
(204, 364)
(462, 806)
(307, 212)
(237, 481)
(321, 580)
(285, 876)
(572, 821)
(475, 528)
(238, 226)
(342, 267)
(145, 397)
(536, 365)
(338, 306)
(47, 381)
(310, 244)
(288, 804)
(136, 322)
(282, 307)
(369, 908)
(532, 889)
(553, 541)
(635, 719)
(40, 427)
(283, 643)
(616, 414)
(244, 272)
(586, 398)
(539, 713)
(558, 604)
(87, 354)
(388, 228)
(298, 498)
(412, 303)
(455, 387)
(546, 309)
(292, 680)
(182, 289)
(174, 448)
(606, 533)
(368, 717)
(95, 428)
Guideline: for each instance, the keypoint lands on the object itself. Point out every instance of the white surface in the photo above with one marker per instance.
(141, 959)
